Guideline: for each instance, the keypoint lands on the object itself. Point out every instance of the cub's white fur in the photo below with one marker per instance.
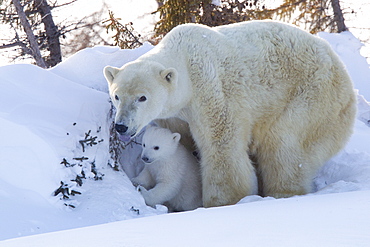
(171, 175)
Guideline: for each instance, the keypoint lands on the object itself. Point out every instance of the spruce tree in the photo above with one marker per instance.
(313, 15)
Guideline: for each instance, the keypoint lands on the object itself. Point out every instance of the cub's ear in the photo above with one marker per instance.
(110, 73)
(170, 75)
(176, 137)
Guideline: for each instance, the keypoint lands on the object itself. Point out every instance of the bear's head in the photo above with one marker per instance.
(158, 144)
(140, 92)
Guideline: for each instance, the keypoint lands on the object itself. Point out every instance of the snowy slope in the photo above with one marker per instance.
(44, 114)
(299, 221)
(348, 48)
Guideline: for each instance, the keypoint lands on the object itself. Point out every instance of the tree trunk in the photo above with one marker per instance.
(52, 32)
(30, 36)
(338, 16)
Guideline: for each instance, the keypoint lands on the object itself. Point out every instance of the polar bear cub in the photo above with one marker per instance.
(171, 175)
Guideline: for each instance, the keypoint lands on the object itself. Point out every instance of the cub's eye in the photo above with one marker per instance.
(144, 145)
(156, 148)
(142, 99)
(116, 97)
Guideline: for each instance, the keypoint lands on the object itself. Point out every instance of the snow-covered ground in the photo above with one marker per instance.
(332, 220)
(54, 141)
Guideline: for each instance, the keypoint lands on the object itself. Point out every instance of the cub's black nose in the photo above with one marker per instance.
(145, 159)
(120, 128)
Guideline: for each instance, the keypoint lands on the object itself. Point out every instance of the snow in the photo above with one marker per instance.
(85, 67)
(31, 162)
(44, 116)
(348, 48)
(216, 2)
(323, 220)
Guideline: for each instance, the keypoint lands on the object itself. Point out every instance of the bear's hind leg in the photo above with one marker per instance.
(283, 169)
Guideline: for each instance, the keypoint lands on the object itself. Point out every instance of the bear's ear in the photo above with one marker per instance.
(169, 75)
(176, 137)
(110, 73)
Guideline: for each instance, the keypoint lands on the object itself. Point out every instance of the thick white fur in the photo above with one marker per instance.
(261, 90)
(171, 175)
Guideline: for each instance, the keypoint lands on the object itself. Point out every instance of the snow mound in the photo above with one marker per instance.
(86, 66)
(19, 156)
(348, 48)
(44, 116)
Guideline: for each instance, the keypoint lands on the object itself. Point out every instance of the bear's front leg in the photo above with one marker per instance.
(161, 193)
(227, 178)
(144, 179)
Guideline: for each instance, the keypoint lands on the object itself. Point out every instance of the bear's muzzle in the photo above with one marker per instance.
(120, 128)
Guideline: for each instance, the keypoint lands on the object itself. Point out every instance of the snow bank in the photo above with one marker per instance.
(348, 48)
(19, 154)
(350, 169)
(333, 220)
(86, 66)
(44, 114)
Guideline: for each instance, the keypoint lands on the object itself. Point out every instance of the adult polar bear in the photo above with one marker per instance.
(260, 90)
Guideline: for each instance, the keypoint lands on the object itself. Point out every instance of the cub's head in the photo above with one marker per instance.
(159, 143)
(139, 91)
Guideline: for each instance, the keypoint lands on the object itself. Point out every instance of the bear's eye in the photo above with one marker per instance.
(116, 97)
(156, 148)
(168, 77)
(144, 145)
(142, 99)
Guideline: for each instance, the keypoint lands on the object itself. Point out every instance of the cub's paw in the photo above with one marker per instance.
(141, 189)
(134, 183)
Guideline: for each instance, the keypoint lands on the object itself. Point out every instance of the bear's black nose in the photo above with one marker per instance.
(120, 128)
(145, 159)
